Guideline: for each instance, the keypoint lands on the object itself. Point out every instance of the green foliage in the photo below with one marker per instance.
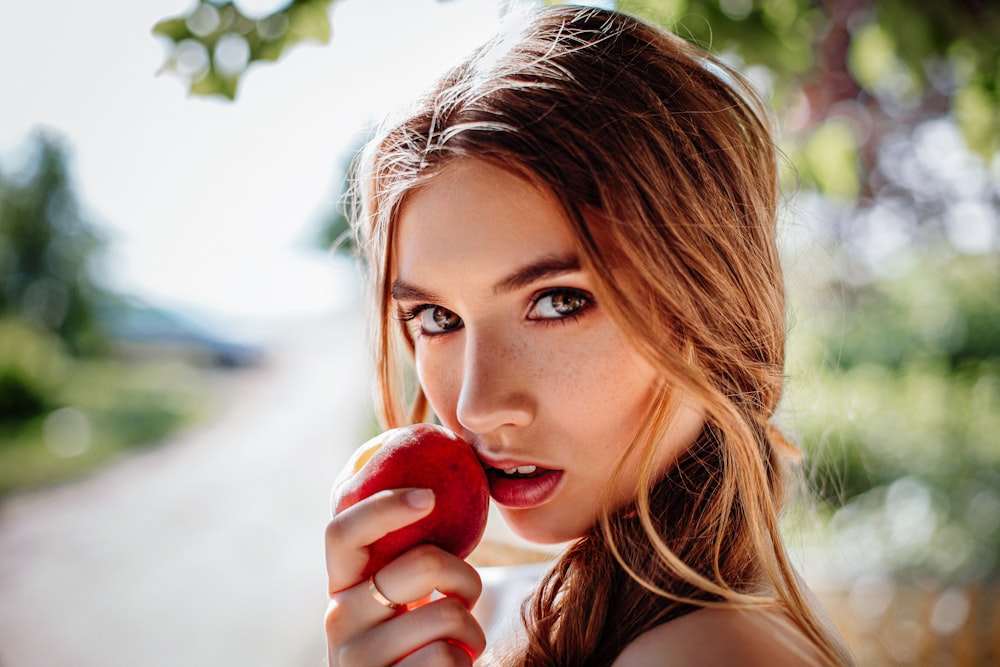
(778, 34)
(950, 49)
(899, 412)
(61, 415)
(872, 433)
(828, 158)
(867, 64)
(870, 65)
(65, 405)
(942, 309)
(335, 232)
(215, 43)
(46, 248)
(32, 365)
(840, 73)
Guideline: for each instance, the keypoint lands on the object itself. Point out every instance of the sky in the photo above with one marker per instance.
(210, 205)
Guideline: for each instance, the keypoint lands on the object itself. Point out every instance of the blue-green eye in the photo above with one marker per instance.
(558, 304)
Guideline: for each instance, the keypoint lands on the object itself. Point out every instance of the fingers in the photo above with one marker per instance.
(363, 631)
(442, 632)
(425, 569)
(412, 577)
(438, 653)
(351, 531)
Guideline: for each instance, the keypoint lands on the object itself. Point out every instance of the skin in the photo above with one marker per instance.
(532, 373)
(515, 355)
(360, 631)
(722, 637)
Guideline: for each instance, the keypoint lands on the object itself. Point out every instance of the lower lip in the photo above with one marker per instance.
(523, 492)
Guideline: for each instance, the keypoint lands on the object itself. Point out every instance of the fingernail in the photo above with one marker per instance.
(419, 498)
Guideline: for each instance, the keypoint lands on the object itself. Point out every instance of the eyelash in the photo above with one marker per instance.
(586, 299)
(406, 315)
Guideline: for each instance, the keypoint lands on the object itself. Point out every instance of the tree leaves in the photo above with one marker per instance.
(215, 43)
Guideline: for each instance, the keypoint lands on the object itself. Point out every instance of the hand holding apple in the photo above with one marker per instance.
(420, 456)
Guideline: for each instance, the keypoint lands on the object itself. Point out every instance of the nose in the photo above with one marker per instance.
(496, 383)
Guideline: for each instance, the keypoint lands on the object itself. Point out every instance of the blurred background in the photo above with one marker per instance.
(182, 365)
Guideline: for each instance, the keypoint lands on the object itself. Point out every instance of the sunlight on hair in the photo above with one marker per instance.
(511, 27)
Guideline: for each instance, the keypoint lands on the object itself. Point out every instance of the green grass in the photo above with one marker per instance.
(62, 416)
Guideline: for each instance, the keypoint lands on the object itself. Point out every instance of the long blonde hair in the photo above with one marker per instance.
(663, 160)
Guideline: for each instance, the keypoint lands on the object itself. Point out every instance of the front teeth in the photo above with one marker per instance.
(521, 470)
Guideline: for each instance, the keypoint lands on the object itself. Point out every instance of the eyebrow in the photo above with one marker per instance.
(547, 266)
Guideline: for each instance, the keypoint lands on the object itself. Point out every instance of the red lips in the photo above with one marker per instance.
(522, 487)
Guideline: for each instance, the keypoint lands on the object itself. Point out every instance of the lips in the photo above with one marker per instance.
(521, 486)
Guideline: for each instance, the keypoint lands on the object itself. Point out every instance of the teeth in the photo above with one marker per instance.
(521, 470)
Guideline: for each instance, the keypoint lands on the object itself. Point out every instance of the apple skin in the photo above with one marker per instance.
(425, 456)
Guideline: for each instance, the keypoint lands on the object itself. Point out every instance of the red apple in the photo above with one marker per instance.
(423, 456)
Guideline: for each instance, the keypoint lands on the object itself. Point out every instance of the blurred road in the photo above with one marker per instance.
(207, 550)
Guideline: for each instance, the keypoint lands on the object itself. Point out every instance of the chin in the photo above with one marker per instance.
(540, 532)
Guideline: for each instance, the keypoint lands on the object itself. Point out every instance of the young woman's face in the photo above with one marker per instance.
(514, 353)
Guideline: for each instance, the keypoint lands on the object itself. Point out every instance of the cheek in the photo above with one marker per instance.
(595, 379)
(621, 385)
(440, 383)
(625, 391)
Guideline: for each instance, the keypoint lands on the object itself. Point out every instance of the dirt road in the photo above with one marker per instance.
(205, 551)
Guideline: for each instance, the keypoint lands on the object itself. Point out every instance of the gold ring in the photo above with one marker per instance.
(379, 596)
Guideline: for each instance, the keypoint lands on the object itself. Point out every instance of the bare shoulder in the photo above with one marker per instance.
(722, 637)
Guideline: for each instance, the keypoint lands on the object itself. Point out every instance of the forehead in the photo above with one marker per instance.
(474, 218)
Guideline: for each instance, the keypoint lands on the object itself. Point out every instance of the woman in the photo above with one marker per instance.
(573, 234)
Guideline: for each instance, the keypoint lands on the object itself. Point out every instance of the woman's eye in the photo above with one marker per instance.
(437, 320)
(558, 304)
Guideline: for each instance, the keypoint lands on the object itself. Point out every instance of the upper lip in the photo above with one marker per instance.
(505, 464)
(492, 455)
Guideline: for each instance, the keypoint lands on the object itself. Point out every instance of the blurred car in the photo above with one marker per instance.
(141, 330)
